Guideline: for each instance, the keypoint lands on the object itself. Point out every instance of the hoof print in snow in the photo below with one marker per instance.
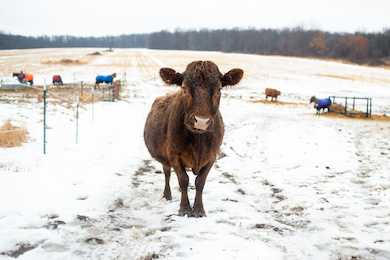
(274, 190)
(229, 176)
(23, 248)
(323, 200)
(54, 225)
(152, 256)
(297, 209)
(241, 191)
(119, 203)
(94, 240)
(266, 226)
(266, 183)
(82, 218)
(165, 229)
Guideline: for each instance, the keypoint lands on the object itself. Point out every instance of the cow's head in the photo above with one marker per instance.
(201, 85)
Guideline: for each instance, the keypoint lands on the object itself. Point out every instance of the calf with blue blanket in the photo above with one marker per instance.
(321, 103)
(104, 79)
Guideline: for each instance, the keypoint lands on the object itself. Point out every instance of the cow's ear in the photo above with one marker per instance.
(232, 77)
(171, 77)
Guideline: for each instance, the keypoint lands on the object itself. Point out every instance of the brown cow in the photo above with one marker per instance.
(273, 93)
(184, 129)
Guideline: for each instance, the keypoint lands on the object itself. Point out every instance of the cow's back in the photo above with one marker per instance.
(271, 92)
(106, 79)
(28, 77)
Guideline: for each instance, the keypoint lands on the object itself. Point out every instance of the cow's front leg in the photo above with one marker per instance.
(185, 208)
(199, 183)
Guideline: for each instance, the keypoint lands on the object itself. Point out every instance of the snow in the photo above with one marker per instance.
(289, 184)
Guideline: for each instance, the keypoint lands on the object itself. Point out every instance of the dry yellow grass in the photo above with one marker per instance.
(12, 136)
(65, 62)
(279, 103)
(357, 117)
(336, 107)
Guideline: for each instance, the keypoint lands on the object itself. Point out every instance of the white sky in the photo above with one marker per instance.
(116, 17)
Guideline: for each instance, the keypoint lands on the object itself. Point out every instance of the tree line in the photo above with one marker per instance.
(357, 47)
(287, 42)
(8, 41)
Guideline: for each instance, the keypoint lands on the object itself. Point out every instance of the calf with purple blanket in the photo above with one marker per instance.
(321, 103)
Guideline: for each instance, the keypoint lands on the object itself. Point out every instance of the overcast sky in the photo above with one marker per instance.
(116, 17)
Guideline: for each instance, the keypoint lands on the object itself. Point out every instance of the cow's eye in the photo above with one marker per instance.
(184, 90)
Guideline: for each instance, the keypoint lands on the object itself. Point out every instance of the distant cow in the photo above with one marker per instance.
(29, 78)
(184, 129)
(273, 93)
(20, 76)
(320, 103)
(104, 79)
(57, 80)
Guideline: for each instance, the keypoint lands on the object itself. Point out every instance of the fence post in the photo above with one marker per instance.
(346, 103)
(103, 98)
(370, 106)
(81, 94)
(44, 117)
(77, 120)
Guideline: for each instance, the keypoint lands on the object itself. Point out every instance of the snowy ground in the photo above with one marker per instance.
(289, 184)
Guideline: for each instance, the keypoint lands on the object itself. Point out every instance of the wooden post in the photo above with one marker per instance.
(370, 106)
(346, 103)
(81, 92)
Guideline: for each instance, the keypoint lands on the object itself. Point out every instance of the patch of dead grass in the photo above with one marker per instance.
(65, 62)
(279, 103)
(357, 116)
(12, 136)
(351, 114)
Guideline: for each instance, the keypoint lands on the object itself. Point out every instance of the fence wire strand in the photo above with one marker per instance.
(11, 131)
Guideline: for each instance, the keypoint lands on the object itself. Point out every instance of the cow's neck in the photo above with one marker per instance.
(201, 147)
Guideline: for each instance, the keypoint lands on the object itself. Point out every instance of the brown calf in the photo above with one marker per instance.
(184, 129)
(273, 93)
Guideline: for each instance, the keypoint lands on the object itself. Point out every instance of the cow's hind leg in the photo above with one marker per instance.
(167, 189)
(199, 183)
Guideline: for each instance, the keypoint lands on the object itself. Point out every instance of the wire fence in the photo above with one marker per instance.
(113, 94)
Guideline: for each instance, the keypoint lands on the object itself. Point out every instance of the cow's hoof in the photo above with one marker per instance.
(167, 197)
(200, 215)
(188, 212)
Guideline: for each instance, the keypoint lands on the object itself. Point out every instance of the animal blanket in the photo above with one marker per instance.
(323, 103)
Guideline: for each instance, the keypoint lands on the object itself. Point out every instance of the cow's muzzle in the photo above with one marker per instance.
(201, 123)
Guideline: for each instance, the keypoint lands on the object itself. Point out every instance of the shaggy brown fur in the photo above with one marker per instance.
(273, 93)
(184, 129)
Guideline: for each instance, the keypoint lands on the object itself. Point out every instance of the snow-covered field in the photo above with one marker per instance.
(289, 184)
